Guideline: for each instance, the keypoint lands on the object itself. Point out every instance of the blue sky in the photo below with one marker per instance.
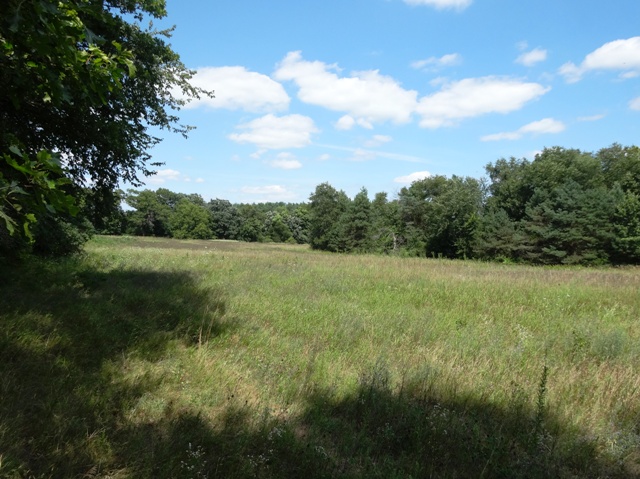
(378, 93)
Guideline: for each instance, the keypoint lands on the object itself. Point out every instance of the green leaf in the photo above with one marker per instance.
(15, 150)
(8, 222)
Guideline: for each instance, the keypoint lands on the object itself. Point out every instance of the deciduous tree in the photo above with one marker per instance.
(82, 82)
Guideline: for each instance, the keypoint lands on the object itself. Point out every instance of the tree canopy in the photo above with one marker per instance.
(83, 82)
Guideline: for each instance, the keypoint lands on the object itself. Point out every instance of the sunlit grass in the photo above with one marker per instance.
(158, 358)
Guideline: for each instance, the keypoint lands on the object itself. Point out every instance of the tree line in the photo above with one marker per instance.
(165, 213)
(564, 207)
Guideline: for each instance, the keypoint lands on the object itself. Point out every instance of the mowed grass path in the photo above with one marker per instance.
(162, 358)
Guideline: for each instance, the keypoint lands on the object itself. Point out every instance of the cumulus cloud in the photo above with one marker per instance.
(441, 4)
(272, 132)
(411, 177)
(162, 176)
(544, 126)
(345, 122)
(536, 55)
(268, 193)
(236, 88)
(473, 97)
(285, 161)
(366, 97)
(635, 104)
(623, 55)
(435, 63)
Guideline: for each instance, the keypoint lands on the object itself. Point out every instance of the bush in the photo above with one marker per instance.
(59, 236)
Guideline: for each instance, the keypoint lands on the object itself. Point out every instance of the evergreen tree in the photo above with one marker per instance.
(326, 207)
(355, 225)
(225, 219)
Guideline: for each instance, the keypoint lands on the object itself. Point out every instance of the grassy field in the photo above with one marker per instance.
(149, 358)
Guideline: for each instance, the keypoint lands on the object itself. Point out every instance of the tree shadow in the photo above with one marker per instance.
(378, 431)
(64, 404)
(65, 330)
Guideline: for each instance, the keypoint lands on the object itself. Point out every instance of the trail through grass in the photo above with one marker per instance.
(160, 358)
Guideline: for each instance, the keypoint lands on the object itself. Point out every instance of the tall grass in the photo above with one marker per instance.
(158, 358)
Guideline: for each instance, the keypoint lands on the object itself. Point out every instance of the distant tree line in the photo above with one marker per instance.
(564, 207)
(165, 213)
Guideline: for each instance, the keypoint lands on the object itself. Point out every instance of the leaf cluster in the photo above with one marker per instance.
(83, 82)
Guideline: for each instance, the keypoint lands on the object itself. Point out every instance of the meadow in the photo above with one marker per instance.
(158, 358)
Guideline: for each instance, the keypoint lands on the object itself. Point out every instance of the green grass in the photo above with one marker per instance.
(150, 358)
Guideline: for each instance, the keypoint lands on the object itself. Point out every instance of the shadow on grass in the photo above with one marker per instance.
(63, 402)
(65, 331)
(376, 432)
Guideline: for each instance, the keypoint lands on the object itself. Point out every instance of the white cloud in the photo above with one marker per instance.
(285, 161)
(410, 178)
(629, 75)
(441, 4)
(345, 122)
(571, 72)
(236, 88)
(590, 118)
(473, 97)
(544, 126)
(621, 55)
(536, 55)
(367, 97)
(635, 104)
(364, 123)
(513, 135)
(199, 180)
(360, 154)
(257, 154)
(162, 176)
(273, 132)
(435, 63)
(377, 140)
(268, 193)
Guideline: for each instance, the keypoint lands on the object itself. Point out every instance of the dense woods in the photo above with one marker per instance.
(564, 207)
